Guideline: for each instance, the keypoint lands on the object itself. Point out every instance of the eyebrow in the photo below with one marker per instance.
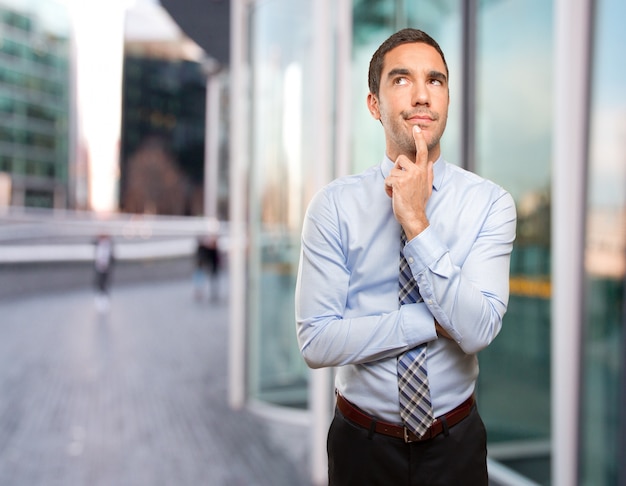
(438, 75)
(433, 74)
(398, 72)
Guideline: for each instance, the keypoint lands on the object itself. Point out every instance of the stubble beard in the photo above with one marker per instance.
(403, 139)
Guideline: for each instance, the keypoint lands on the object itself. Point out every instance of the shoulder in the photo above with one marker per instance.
(460, 178)
(347, 201)
(355, 181)
(476, 193)
(350, 187)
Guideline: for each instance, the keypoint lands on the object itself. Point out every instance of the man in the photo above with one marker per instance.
(459, 231)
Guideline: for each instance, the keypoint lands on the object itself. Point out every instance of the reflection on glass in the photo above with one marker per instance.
(605, 256)
(514, 126)
(281, 161)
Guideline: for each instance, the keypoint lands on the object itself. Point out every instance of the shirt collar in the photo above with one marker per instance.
(438, 170)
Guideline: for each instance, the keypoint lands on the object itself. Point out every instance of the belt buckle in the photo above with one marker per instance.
(408, 436)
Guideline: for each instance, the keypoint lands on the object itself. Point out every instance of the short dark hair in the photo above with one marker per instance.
(404, 36)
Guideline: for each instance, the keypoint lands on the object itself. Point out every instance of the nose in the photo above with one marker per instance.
(420, 95)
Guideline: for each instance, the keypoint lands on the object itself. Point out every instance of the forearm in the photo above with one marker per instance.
(329, 334)
(336, 342)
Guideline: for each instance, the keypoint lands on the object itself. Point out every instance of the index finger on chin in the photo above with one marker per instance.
(421, 150)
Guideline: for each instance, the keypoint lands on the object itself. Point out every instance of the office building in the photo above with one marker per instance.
(35, 92)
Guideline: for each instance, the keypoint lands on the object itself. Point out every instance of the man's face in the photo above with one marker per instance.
(413, 91)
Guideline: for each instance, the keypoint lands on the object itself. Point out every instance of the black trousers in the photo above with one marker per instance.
(358, 457)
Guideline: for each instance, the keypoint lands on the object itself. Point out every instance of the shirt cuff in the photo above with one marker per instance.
(423, 250)
(418, 324)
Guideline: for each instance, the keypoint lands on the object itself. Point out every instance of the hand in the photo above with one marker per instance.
(410, 185)
(441, 331)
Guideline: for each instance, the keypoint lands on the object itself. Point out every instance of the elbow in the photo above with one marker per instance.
(313, 347)
(312, 361)
(473, 346)
(315, 356)
(474, 339)
(317, 345)
(475, 343)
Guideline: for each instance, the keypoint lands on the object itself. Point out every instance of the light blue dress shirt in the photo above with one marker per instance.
(347, 309)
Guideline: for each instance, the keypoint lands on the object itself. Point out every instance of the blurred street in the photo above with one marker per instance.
(135, 396)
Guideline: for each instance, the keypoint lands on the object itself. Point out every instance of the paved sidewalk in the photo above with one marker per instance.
(134, 397)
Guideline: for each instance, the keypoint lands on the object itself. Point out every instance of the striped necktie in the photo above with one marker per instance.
(415, 405)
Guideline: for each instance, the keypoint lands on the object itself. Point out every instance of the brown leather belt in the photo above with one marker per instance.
(356, 415)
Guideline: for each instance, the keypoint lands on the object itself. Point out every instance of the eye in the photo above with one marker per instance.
(401, 81)
(436, 82)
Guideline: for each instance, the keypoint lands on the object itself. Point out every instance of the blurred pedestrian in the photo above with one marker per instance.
(103, 266)
(207, 267)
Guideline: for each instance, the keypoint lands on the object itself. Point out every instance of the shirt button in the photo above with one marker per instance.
(410, 260)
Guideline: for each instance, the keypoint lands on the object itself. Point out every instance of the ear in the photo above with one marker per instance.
(372, 106)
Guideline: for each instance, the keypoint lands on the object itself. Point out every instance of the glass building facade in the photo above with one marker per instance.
(282, 72)
(303, 74)
(163, 112)
(603, 376)
(35, 102)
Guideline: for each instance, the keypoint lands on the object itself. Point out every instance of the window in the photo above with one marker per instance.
(604, 348)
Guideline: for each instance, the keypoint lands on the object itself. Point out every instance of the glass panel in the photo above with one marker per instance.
(605, 257)
(513, 144)
(374, 21)
(281, 50)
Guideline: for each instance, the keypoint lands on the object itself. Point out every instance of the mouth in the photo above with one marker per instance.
(420, 119)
